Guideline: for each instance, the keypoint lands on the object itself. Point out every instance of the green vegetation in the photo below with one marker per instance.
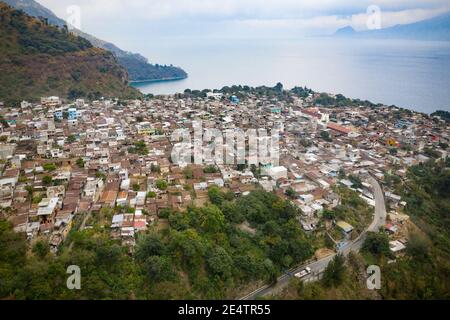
(47, 180)
(155, 168)
(203, 254)
(49, 167)
(357, 183)
(188, 173)
(80, 163)
(140, 70)
(423, 272)
(443, 114)
(161, 184)
(291, 193)
(377, 244)
(352, 210)
(325, 135)
(340, 101)
(211, 169)
(334, 273)
(340, 282)
(71, 139)
(139, 147)
(46, 60)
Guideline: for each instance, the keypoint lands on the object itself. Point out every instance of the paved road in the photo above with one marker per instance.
(319, 266)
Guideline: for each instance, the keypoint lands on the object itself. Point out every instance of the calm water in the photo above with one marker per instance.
(410, 74)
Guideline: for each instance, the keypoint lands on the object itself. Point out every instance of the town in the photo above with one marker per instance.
(66, 164)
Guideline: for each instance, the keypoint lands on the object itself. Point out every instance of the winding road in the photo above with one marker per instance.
(319, 266)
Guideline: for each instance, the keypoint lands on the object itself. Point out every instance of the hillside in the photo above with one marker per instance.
(37, 59)
(437, 28)
(34, 9)
(137, 66)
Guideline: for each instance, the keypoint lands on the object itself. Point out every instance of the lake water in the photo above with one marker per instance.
(409, 74)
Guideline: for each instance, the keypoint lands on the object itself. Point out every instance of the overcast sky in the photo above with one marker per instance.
(126, 21)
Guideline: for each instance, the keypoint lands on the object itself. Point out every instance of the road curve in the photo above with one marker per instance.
(319, 266)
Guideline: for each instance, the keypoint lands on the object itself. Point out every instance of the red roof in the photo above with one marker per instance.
(338, 128)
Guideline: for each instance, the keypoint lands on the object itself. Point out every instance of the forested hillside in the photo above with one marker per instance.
(202, 253)
(37, 59)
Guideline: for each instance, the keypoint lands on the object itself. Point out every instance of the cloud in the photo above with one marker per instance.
(108, 18)
(233, 9)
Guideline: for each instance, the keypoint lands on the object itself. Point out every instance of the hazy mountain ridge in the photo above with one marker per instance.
(138, 67)
(437, 28)
(37, 59)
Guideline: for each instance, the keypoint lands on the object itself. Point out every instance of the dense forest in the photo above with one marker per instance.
(37, 59)
(203, 253)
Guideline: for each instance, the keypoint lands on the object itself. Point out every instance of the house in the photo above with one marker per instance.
(345, 227)
(47, 209)
(277, 172)
(396, 246)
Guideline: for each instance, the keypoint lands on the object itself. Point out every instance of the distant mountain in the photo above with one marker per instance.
(437, 28)
(344, 32)
(38, 59)
(34, 9)
(138, 67)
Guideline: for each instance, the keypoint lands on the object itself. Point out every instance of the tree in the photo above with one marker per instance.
(178, 221)
(326, 136)
(341, 173)
(279, 87)
(41, 248)
(136, 187)
(215, 195)
(334, 273)
(151, 194)
(188, 173)
(418, 247)
(377, 244)
(80, 163)
(393, 151)
(270, 271)
(211, 219)
(47, 180)
(164, 213)
(149, 245)
(71, 139)
(159, 268)
(161, 184)
(49, 167)
(219, 263)
(210, 169)
(329, 214)
(290, 193)
(357, 183)
(155, 168)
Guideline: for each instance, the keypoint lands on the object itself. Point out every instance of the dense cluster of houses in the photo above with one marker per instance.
(59, 160)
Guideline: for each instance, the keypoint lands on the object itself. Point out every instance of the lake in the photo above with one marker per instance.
(409, 74)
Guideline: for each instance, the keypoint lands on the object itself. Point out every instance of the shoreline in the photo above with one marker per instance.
(157, 80)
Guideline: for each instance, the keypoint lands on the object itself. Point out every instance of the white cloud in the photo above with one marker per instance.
(231, 9)
(106, 17)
